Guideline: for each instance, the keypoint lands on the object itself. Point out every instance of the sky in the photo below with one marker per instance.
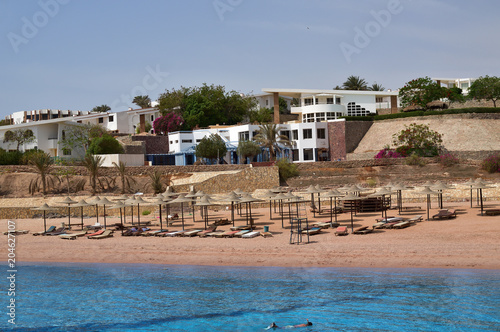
(75, 54)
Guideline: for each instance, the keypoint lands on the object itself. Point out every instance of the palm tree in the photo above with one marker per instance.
(142, 101)
(121, 167)
(101, 109)
(268, 137)
(355, 83)
(156, 182)
(376, 87)
(43, 164)
(93, 165)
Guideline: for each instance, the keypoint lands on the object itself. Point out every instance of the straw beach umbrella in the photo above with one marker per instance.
(470, 183)
(95, 201)
(440, 186)
(44, 207)
(280, 197)
(81, 204)
(399, 192)
(351, 197)
(480, 185)
(248, 200)
(333, 194)
(181, 199)
(233, 198)
(120, 205)
(104, 201)
(68, 201)
(313, 190)
(427, 191)
(204, 203)
(160, 201)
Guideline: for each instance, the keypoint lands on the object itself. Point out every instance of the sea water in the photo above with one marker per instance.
(138, 297)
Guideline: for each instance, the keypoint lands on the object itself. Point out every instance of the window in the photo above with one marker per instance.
(66, 152)
(243, 136)
(101, 120)
(321, 133)
(171, 142)
(308, 154)
(379, 99)
(152, 118)
(329, 100)
(111, 118)
(176, 141)
(267, 102)
(295, 155)
(63, 134)
(295, 134)
(187, 141)
(308, 101)
(198, 140)
(337, 100)
(254, 133)
(464, 86)
(307, 133)
(330, 115)
(308, 117)
(320, 116)
(356, 110)
(285, 133)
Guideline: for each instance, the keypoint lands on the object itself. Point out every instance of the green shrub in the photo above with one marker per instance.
(415, 160)
(105, 145)
(146, 212)
(10, 157)
(491, 164)
(286, 169)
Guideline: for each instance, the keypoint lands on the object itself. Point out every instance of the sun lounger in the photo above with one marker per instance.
(383, 223)
(191, 233)
(445, 214)
(51, 229)
(250, 235)
(241, 233)
(326, 224)
(205, 232)
(239, 228)
(213, 234)
(363, 230)
(58, 231)
(492, 212)
(107, 233)
(311, 231)
(174, 233)
(266, 234)
(72, 236)
(341, 230)
(227, 234)
(222, 222)
(99, 232)
(402, 224)
(415, 219)
(17, 232)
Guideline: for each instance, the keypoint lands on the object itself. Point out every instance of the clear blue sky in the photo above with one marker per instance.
(80, 54)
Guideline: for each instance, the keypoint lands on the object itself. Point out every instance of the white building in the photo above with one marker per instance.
(462, 83)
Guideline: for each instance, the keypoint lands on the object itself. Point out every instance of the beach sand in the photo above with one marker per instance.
(468, 241)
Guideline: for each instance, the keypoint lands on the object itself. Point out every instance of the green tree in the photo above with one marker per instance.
(247, 149)
(419, 140)
(421, 91)
(286, 169)
(206, 105)
(147, 127)
(376, 87)
(156, 182)
(142, 101)
(355, 83)
(106, 144)
(262, 115)
(101, 109)
(283, 106)
(487, 88)
(19, 136)
(93, 165)
(211, 147)
(268, 137)
(43, 164)
(80, 136)
(126, 180)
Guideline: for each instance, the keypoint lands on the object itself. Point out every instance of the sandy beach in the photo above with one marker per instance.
(467, 241)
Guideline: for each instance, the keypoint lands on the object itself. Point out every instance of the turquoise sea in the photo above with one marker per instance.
(140, 297)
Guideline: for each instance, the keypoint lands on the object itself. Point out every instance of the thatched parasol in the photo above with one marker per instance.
(481, 185)
(427, 191)
(333, 194)
(204, 203)
(248, 200)
(350, 197)
(81, 204)
(68, 201)
(44, 207)
(181, 199)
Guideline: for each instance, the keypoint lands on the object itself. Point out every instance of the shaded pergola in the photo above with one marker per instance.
(44, 207)
(68, 201)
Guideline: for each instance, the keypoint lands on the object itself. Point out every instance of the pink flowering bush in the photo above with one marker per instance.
(167, 123)
(491, 164)
(448, 160)
(388, 153)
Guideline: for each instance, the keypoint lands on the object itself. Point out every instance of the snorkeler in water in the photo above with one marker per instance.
(274, 326)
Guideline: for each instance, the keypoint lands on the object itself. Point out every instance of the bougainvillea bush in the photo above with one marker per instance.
(388, 153)
(491, 164)
(418, 139)
(167, 123)
(448, 159)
